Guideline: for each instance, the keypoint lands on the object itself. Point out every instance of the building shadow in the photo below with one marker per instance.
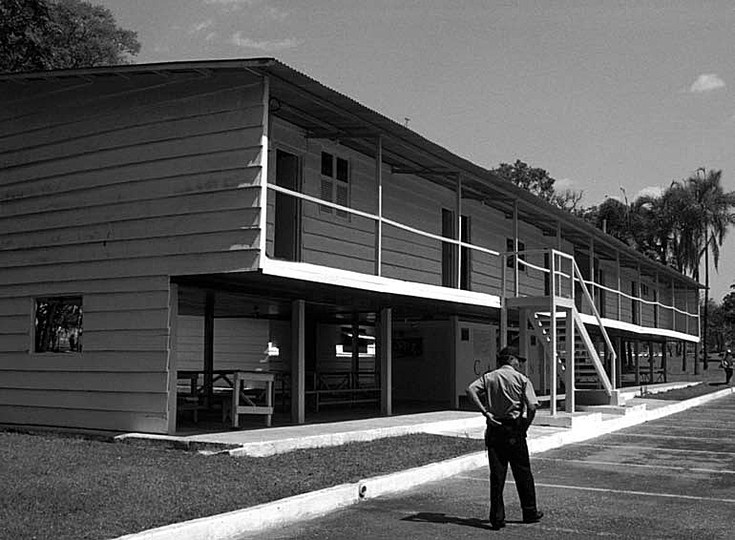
(435, 517)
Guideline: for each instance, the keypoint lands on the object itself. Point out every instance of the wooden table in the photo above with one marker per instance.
(241, 383)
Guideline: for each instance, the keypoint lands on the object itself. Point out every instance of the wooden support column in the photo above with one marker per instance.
(208, 348)
(569, 400)
(650, 361)
(298, 361)
(523, 332)
(558, 236)
(665, 360)
(173, 317)
(618, 367)
(592, 287)
(552, 335)
(379, 190)
(458, 231)
(620, 298)
(454, 339)
(639, 306)
(686, 310)
(516, 285)
(656, 298)
(355, 382)
(386, 361)
(673, 305)
(637, 352)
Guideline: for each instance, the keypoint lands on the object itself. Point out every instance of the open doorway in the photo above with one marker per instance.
(288, 208)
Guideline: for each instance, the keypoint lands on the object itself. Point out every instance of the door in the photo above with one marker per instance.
(286, 239)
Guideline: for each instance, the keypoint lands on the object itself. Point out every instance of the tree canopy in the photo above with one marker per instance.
(540, 183)
(61, 34)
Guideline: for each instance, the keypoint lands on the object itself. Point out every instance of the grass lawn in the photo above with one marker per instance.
(60, 487)
(680, 394)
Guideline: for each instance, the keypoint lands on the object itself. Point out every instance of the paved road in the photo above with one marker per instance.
(670, 478)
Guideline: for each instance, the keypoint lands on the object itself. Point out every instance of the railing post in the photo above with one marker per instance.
(552, 332)
(379, 189)
(620, 298)
(458, 234)
(515, 249)
(673, 305)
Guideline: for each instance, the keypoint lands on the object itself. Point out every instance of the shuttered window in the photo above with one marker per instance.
(335, 184)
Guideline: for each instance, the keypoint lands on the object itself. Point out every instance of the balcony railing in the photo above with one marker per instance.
(522, 273)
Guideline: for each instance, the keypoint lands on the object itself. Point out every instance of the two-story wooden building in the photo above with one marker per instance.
(161, 222)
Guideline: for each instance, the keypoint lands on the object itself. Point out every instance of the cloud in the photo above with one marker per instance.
(265, 45)
(228, 2)
(650, 191)
(563, 183)
(706, 83)
(203, 25)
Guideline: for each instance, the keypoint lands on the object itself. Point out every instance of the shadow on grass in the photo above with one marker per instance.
(434, 517)
(717, 383)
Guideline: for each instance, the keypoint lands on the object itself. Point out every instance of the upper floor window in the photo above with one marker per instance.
(335, 183)
(58, 324)
(509, 247)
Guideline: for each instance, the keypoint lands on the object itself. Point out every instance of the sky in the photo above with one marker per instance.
(613, 98)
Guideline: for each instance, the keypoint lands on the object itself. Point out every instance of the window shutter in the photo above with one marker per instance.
(342, 198)
(326, 195)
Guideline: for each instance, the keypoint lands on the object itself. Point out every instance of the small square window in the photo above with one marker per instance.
(465, 334)
(58, 324)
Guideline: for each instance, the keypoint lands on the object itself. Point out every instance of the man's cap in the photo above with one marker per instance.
(507, 352)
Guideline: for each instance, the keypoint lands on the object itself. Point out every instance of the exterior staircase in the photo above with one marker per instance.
(554, 318)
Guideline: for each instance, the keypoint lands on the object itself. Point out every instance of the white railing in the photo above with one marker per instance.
(521, 259)
(566, 277)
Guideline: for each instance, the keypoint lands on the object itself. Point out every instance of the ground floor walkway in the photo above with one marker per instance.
(261, 441)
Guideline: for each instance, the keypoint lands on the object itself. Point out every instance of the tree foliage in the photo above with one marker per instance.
(61, 34)
(539, 182)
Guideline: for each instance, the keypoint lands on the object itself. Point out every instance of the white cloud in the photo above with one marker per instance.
(563, 183)
(264, 45)
(248, 2)
(706, 83)
(203, 25)
(651, 191)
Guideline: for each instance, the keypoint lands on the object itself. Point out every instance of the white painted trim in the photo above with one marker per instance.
(641, 330)
(264, 156)
(367, 282)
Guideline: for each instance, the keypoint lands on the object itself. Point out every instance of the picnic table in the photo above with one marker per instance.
(241, 392)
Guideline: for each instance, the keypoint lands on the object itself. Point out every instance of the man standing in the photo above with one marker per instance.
(502, 395)
(727, 365)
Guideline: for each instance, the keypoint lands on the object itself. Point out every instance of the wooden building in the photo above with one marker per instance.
(161, 222)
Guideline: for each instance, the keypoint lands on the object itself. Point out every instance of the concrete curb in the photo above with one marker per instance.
(250, 521)
(262, 449)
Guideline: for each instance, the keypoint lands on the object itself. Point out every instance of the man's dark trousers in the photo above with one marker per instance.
(507, 444)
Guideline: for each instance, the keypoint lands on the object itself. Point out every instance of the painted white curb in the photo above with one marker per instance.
(238, 523)
(250, 521)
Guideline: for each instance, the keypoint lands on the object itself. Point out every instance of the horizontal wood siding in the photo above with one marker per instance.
(108, 187)
(121, 371)
(239, 343)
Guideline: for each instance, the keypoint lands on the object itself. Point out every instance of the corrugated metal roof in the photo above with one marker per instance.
(319, 108)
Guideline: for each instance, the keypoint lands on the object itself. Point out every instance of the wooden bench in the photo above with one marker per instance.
(344, 396)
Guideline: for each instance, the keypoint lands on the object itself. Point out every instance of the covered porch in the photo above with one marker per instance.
(251, 350)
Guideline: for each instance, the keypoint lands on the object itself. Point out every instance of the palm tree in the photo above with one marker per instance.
(709, 213)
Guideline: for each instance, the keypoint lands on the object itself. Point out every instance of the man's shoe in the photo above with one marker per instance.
(533, 518)
(497, 525)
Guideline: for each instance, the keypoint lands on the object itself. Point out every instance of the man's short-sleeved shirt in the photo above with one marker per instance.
(506, 391)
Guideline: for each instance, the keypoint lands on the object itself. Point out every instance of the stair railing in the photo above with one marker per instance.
(588, 297)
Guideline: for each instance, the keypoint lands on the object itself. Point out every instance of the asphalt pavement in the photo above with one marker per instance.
(668, 478)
